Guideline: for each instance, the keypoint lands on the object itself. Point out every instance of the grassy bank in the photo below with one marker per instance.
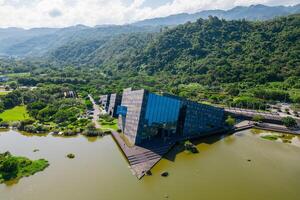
(109, 124)
(12, 167)
(17, 113)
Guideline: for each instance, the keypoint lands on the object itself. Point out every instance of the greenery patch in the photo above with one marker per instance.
(270, 137)
(12, 167)
(107, 122)
(15, 114)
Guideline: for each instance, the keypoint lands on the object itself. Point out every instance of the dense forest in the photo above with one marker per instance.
(209, 51)
(214, 60)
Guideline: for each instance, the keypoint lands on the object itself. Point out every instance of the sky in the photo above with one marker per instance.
(62, 13)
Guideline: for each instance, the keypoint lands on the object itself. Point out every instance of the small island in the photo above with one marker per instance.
(13, 167)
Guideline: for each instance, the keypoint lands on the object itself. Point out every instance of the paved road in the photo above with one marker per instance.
(97, 111)
(251, 113)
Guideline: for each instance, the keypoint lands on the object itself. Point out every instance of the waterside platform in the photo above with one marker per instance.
(143, 158)
(244, 125)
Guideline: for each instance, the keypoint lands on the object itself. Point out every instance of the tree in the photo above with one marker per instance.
(258, 118)
(9, 165)
(13, 85)
(91, 126)
(230, 121)
(233, 91)
(289, 122)
(88, 104)
(4, 124)
(9, 168)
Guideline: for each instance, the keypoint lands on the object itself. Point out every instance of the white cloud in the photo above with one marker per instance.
(61, 13)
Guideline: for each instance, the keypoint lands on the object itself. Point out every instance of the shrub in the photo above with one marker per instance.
(289, 122)
(107, 118)
(9, 168)
(16, 124)
(25, 122)
(4, 124)
(107, 132)
(30, 129)
(230, 121)
(258, 118)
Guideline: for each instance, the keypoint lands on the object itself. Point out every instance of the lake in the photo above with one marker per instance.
(240, 166)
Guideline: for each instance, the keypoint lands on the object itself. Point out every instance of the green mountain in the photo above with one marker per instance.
(254, 12)
(209, 52)
(39, 42)
(229, 62)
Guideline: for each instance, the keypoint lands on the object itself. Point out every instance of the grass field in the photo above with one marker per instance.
(15, 114)
(2, 93)
(109, 125)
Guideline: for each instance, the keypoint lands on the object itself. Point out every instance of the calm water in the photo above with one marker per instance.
(99, 171)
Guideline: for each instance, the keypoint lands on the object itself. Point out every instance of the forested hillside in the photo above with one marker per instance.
(41, 41)
(218, 51)
(227, 62)
(209, 51)
(108, 51)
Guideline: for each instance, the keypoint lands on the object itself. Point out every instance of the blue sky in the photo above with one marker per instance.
(62, 13)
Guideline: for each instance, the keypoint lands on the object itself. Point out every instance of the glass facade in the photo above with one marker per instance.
(144, 115)
(161, 110)
(160, 118)
(114, 102)
(122, 110)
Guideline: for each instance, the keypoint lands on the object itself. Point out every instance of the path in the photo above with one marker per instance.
(96, 113)
(251, 113)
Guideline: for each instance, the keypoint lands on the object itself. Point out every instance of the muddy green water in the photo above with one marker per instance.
(100, 172)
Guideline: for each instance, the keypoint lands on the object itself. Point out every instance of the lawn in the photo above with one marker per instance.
(15, 114)
(109, 125)
(2, 93)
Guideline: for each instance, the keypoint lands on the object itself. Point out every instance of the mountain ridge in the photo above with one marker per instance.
(38, 42)
(260, 12)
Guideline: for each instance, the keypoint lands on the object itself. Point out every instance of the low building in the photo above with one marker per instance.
(70, 94)
(144, 115)
(114, 102)
(104, 101)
